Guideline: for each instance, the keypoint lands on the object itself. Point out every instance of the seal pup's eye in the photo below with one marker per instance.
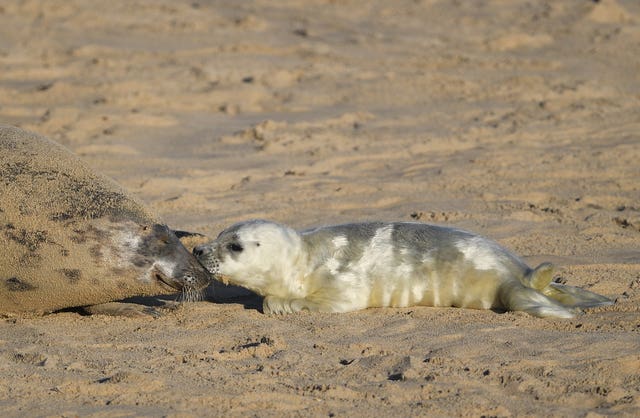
(235, 247)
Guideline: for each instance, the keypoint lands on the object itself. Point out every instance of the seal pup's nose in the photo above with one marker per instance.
(201, 251)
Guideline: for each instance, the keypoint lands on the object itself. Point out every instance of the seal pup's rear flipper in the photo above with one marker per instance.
(575, 297)
(515, 296)
(539, 277)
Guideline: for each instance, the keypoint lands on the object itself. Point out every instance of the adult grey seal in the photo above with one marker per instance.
(355, 266)
(73, 238)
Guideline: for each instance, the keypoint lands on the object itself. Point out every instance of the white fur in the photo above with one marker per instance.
(481, 253)
(333, 265)
(271, 267)
(435, 289)
(378, 254)
(340, 241)
(296, 272)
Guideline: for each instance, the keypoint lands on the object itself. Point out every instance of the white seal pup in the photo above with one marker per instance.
(349, 267)
(73, 238)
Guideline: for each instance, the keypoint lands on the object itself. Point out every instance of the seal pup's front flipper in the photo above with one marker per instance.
(275, 305)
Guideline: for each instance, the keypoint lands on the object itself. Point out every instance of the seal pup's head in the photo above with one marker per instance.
(258, 255)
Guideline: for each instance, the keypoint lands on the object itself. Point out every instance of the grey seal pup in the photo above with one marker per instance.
(354, 266)
(73, 238)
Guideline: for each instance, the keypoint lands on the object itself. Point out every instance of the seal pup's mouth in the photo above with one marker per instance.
(205, 256)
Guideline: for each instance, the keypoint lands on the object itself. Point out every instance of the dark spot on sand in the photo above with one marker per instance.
(302, 32)
(625, 223)
(394, 377)
(44, 86)
(16, 285)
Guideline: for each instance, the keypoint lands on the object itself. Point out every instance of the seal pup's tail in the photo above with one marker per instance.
(540, 296)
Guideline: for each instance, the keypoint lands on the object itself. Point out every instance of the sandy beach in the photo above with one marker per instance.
(517, 120)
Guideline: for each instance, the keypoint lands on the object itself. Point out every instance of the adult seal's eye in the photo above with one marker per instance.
(234, 247)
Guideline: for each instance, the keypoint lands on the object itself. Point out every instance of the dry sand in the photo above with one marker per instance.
(519, 120)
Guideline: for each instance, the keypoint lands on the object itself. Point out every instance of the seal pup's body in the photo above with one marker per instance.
(349, 267)
(73, 238)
